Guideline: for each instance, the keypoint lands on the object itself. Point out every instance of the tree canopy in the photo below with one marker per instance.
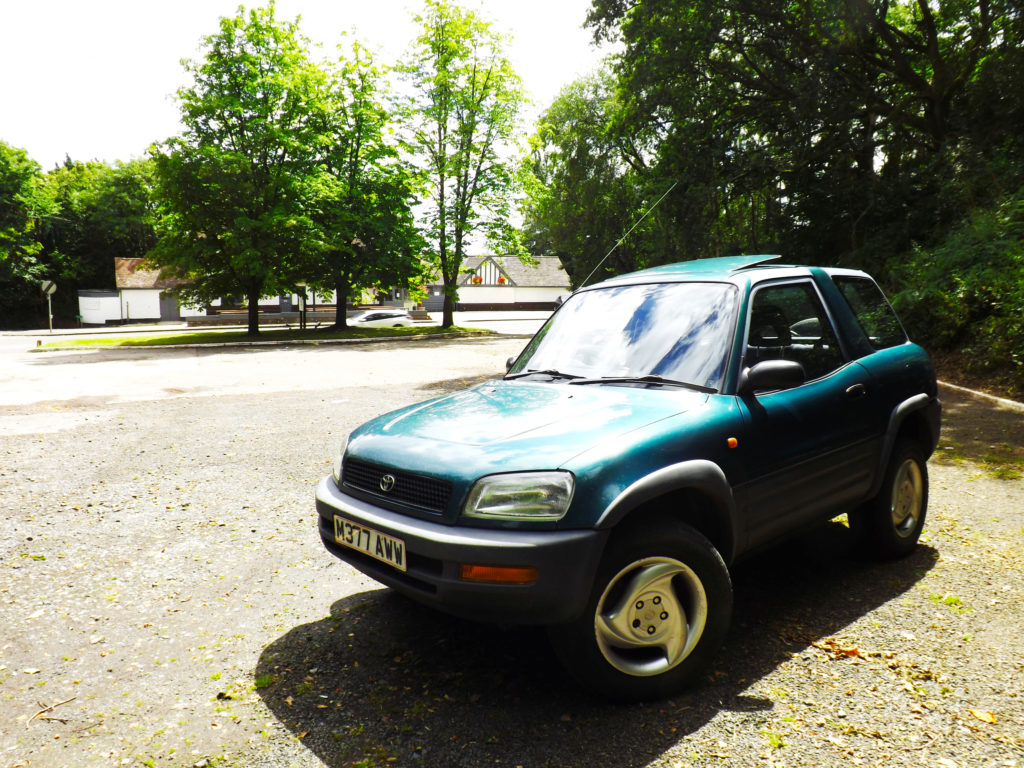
(232, 184)
(838, 131)
(22, 202)
(361, 198)
(465, 105)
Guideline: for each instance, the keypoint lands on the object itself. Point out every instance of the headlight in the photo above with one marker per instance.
(336, 470)
(521, 496)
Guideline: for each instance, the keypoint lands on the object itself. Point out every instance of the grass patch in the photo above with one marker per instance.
(263, 681)
(235, 337)
(1003, 461)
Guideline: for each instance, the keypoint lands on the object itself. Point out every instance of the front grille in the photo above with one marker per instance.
(425, 493)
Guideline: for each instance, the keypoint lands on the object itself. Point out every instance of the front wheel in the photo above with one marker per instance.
(658, 611)
(891, 522)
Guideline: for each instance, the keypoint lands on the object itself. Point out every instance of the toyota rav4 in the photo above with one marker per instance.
(657, 428)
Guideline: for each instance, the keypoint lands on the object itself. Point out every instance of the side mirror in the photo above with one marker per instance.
(509, 363)
(771, 374)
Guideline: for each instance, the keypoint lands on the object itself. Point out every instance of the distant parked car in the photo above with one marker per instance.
(381, 318)
(659, 427)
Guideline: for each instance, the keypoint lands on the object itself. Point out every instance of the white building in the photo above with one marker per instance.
(505, 282)
(141, 296)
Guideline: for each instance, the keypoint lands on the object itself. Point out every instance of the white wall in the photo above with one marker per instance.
(97, 310)
(487, 294)
(140, 304)
(498, 294)
(541, 294)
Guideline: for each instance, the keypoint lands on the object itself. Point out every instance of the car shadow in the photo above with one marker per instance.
(384, 680)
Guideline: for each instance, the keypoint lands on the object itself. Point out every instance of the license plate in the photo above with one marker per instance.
(379, 545)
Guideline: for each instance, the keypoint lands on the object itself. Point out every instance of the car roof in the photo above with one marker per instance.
(729, 269)
(736, 270)
(720, 268)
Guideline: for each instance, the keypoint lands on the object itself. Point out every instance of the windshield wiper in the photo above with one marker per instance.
(545, 372)
(650, 378)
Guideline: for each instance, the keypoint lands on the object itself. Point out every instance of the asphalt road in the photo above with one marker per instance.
(165, 599)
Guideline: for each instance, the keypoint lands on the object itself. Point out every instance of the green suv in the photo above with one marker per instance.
(660, 426)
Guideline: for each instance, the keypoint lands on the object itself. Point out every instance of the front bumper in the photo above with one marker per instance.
(565, 560)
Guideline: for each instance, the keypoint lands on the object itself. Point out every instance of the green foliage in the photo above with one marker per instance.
(967, 292)
(465, 106)
(233, 185)
(362, 195)
(99, 212)
(841, 132)
(22, 203)
(18, 174)
(73, 221)
(583, 183)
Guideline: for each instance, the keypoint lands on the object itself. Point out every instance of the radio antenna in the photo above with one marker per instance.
(637, 224)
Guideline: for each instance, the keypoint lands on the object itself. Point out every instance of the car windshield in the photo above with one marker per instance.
(679, 332)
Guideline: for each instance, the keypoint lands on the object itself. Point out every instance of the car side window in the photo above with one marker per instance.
(788, 322)
(873, 312)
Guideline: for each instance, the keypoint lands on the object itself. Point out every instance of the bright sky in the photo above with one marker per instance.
(95, 79)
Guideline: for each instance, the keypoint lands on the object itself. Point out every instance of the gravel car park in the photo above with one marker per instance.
(166, 601)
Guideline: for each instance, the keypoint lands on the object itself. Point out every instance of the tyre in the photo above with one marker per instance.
(890, 524)
(658, 611)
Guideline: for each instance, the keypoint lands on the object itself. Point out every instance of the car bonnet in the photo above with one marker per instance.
(509, 426)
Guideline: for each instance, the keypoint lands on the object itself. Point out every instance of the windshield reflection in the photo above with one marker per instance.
(680, 331)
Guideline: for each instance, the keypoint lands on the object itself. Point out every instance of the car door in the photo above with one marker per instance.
(806, 450)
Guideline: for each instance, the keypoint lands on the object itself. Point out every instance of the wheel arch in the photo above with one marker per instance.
(693, 492)
(916, 418)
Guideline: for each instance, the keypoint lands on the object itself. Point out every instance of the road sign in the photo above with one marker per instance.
(49, 287)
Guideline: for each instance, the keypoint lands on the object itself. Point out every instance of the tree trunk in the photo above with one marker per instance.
(341, 290)
(447, 317)
(253, 301)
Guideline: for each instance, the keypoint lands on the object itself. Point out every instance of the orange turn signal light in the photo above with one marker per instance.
(500, 574)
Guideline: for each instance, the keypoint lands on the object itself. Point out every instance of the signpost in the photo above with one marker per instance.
(49, 288)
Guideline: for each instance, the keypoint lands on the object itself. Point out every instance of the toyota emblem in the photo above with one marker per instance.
(387, 483)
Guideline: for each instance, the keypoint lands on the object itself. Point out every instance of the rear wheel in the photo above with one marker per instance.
(891, 522)
(659, 609)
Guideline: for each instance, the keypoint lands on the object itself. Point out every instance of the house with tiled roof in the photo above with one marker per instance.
(141, 295)
(505, 282)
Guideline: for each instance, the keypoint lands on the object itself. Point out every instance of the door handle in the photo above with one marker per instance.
(855, 391)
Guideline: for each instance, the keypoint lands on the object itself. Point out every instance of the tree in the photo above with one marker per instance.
(234, 184)
(74, 220)
(125, 210)
(22, 203)
(584, 183)
(465, 105)
(829, 130)
(361, 200)
(18, 172)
